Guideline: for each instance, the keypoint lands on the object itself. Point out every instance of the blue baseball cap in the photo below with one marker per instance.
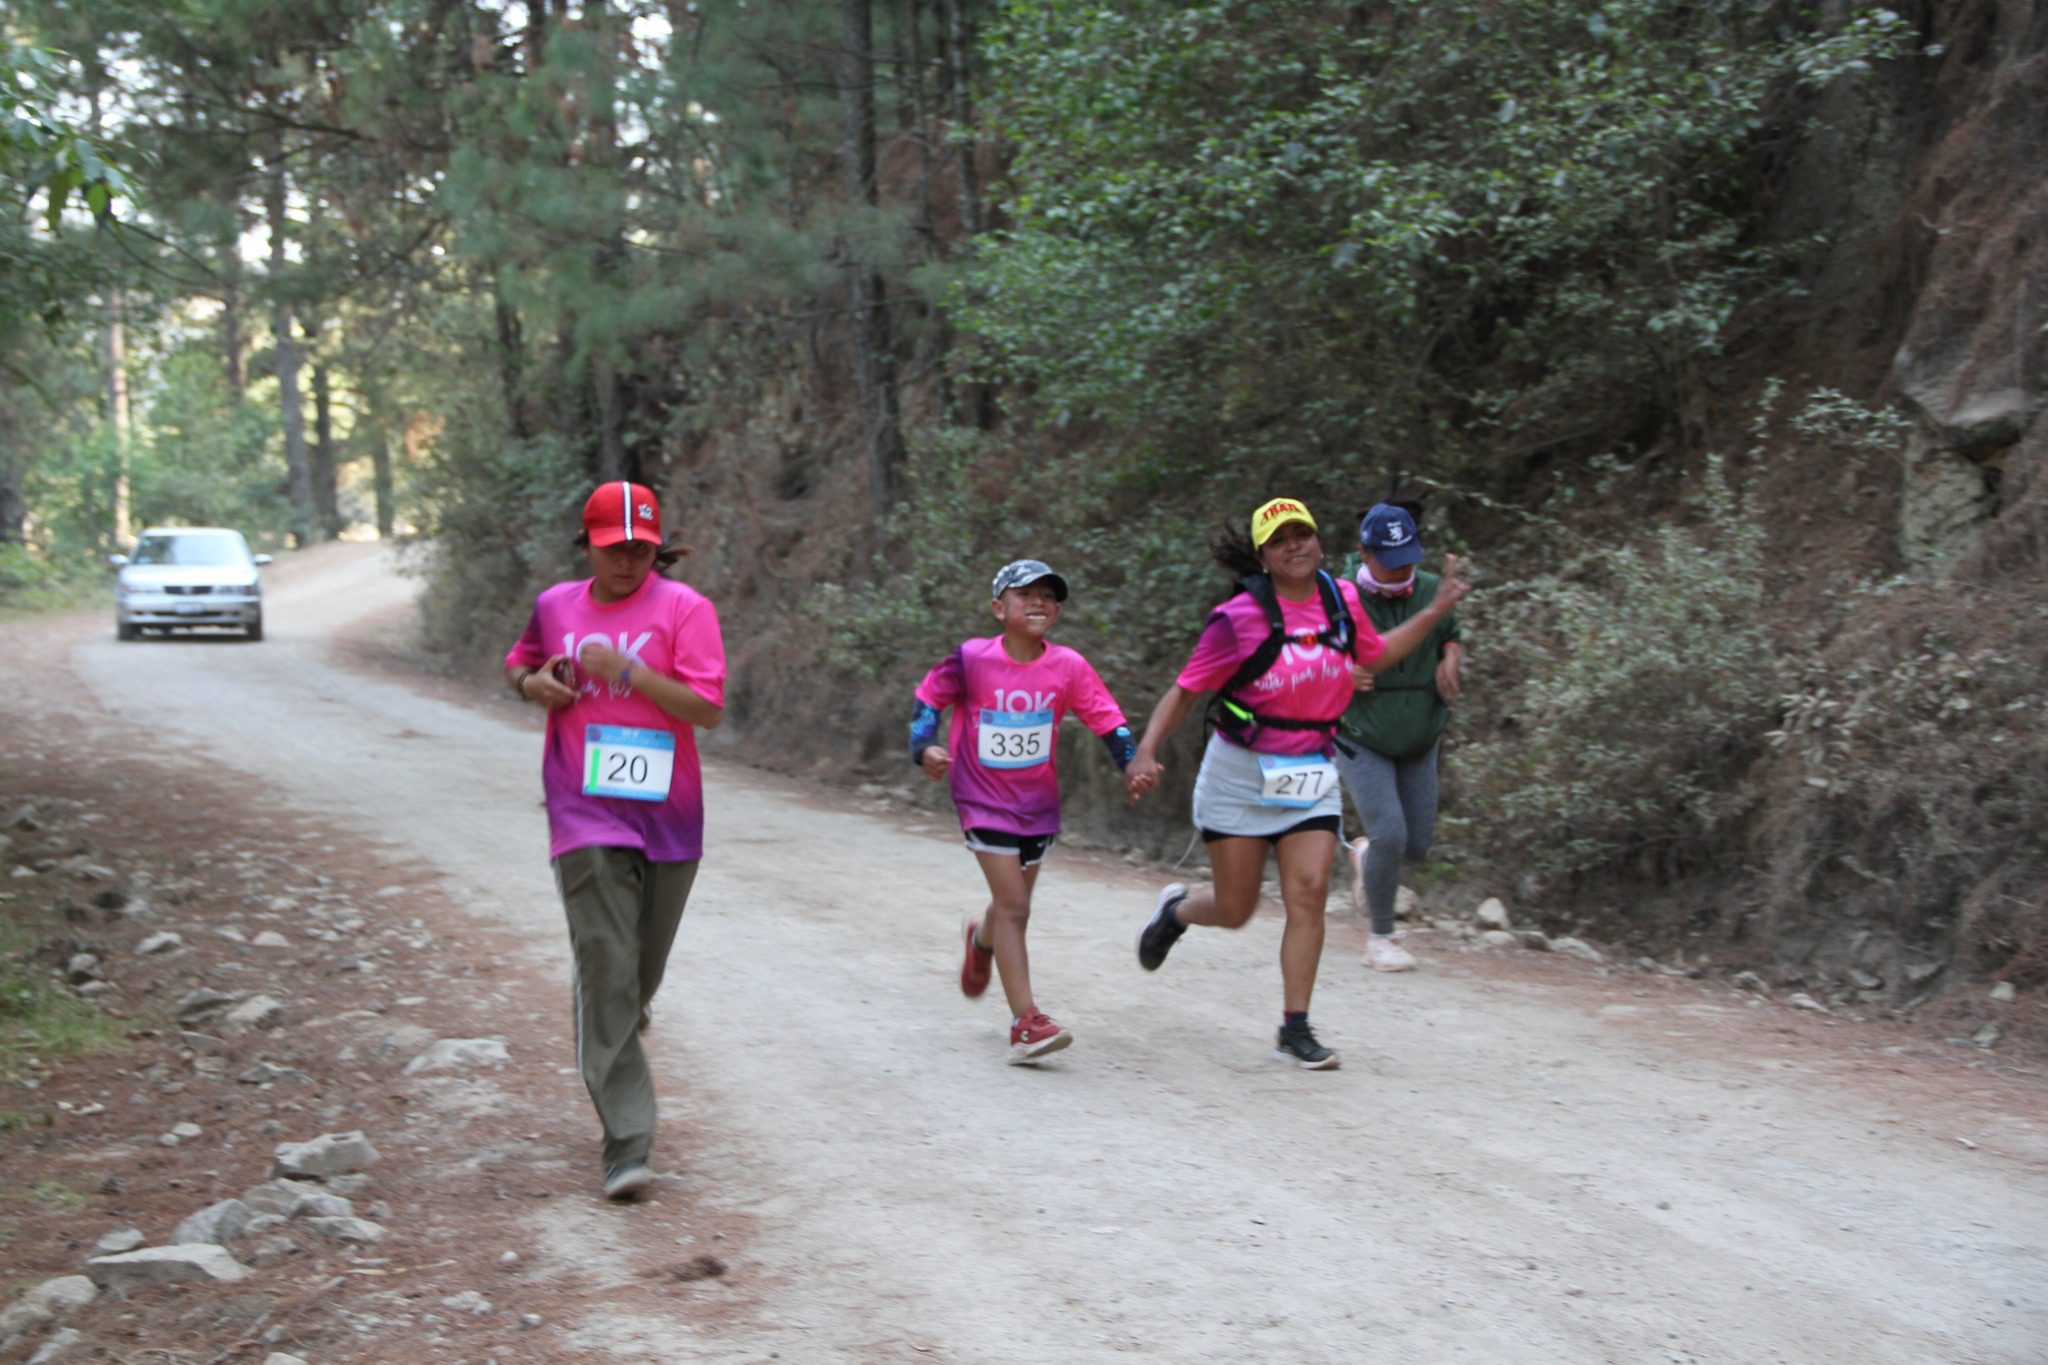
(1023, 573)
(1389, 532)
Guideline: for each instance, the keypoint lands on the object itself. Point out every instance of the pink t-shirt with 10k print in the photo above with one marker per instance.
(1006, 721)
(667, 626)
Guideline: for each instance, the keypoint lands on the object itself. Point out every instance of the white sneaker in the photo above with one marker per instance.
(1382, 954)
(1354, 853)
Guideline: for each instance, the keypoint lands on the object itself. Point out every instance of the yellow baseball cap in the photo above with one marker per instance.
(1275, 515)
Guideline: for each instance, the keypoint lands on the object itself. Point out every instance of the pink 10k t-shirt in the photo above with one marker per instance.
(981, 675)
(667, 626)
(1307, 682)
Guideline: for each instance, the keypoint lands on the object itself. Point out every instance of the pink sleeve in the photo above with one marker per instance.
(1090, 699)
(945, 684)
(700, 649)
(1368, 647)
(529, 652)
(1215, 657)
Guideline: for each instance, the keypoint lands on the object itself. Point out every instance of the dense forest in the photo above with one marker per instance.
(1712, 332)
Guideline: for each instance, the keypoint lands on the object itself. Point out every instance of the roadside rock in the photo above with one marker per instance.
(1750, 981)
(118, 1241)
(195, 1264)
(1407, 905)
(257, 1012)
(57, 1347)
(216, 1224)
(283, 1358)
(1578, 948)
(346, 1229)
(453, 1054)
(1491, 914)
(1498, 938)
(201, 1003)
(1535, 940)
(46, 1303)
(270, 938)
(328, 1154)
(163, 941)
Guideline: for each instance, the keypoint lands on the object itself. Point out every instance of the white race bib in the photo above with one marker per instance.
(1015, 739)
(1296, 781)
(619, 760)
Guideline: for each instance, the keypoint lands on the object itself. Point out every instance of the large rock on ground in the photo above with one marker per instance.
(47, 1302)
(217, 1224)
(454, 1054)
(195, 1264)
(328, 1154)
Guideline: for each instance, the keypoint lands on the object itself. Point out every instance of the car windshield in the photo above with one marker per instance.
(208, 550)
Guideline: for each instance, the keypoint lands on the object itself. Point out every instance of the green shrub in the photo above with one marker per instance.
(38, 1017)
(1637, 682)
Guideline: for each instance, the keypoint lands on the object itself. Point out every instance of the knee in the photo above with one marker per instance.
(1007, 911)
(1306, 895)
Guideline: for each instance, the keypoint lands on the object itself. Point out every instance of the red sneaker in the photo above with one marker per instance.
(1033, 1036)
(975, 962)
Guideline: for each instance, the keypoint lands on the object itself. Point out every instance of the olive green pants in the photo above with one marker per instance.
(623, 911)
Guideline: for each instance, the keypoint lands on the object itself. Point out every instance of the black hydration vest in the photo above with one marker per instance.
(1239, 722)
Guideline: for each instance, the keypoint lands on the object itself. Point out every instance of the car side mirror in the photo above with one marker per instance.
(261, 560)
(117, 561)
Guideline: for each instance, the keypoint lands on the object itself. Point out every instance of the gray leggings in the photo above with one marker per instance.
(1396, 801)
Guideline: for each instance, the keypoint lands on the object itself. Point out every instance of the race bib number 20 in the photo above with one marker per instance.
(619, 760)
(1015, 739)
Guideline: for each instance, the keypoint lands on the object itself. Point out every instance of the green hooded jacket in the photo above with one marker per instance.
(1402, 715)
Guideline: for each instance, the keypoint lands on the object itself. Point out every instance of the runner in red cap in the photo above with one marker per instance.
(627, 662)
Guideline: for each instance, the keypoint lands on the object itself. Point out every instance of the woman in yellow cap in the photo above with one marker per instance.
(1278, 655)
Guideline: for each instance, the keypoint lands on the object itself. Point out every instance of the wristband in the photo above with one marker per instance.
(519, 683)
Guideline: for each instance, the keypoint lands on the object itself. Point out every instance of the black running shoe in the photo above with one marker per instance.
(1299, 1045)
(1162, 931)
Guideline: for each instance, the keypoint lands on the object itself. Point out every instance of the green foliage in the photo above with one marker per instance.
(38, 1017)
(1244, 230)
(57, 1195)
(39, 149)
(206, 459)
(1639, 681)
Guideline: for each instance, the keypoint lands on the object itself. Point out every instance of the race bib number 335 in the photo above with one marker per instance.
(1015, 739)
(619, 760)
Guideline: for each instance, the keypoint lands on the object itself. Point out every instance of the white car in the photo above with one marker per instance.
(185, 576)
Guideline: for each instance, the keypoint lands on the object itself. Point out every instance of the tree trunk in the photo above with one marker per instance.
(874, 368)
(511, 363)
(981, 399)
(115, 355)
(963, 116)
(380, 472)
(611, 447)
(290, 408)
(13, 500)
(326, 496)
(231, 323)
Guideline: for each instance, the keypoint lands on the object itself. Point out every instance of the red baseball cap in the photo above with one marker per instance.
(622, 511)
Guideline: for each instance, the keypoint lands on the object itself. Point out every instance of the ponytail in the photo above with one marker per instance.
(1233, 551)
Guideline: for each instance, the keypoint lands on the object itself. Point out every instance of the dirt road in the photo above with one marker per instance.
(1528, 1161)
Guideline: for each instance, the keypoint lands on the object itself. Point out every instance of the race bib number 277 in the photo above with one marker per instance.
(1296, 782)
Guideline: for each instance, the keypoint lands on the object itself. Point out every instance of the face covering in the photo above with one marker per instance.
(1379, 589)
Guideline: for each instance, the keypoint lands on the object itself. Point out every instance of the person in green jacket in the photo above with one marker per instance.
(1387, 740)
